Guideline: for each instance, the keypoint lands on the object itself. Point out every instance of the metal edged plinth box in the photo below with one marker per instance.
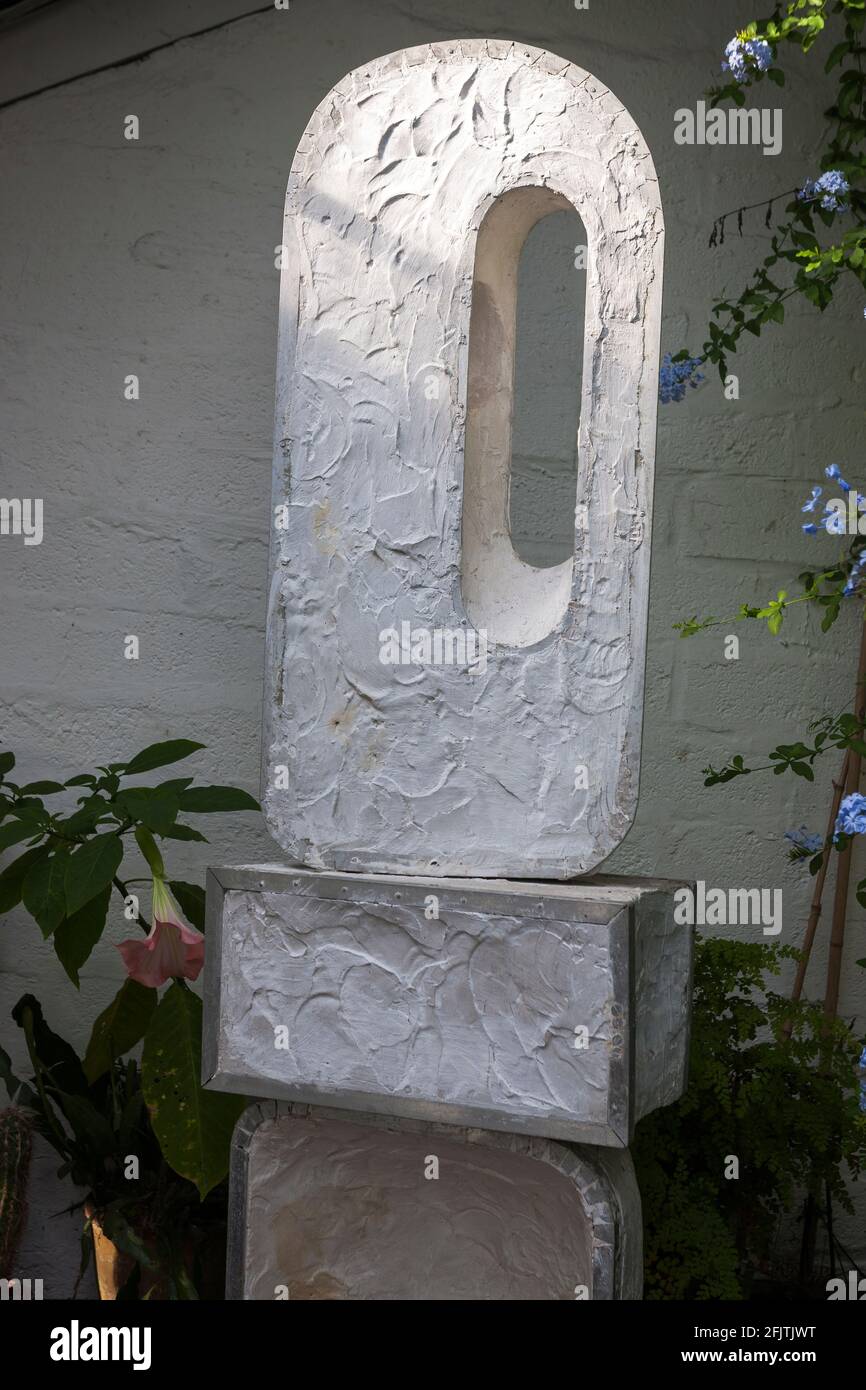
(556, 1010)
(332, 1206)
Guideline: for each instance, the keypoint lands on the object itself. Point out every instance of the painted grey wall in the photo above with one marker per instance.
(157, 258)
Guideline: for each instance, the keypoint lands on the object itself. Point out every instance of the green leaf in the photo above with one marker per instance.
(41, 788)
(90, 1126)
(84, 779)
(837, 53)
(803, 770)
(194, 1127)
(191, 899)
(207, 799)
(43, 892)
(184, 832)
(77, 935)
(119, 1027)
(159, 755)
(17, 831)
(155, 807)
(12, 877)
(7, 762)
(90, 868)
(53, 1054)
(92, 810)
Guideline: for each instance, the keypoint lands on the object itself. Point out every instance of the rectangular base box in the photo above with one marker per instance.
(326, 1205)
(557, 1010)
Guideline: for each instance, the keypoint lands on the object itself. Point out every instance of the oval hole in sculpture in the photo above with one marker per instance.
(548, 373)
(523, 409)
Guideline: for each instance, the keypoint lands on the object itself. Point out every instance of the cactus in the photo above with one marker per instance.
(16, 1144)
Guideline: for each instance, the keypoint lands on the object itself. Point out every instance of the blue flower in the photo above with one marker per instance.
(833, 523)
(851, 819)
(674, 377)
(831, 188)
(803, 842)
(863, 1079)
(853, 581)
(832, 471)
(813, 500)
(744, 57)
(810, 528)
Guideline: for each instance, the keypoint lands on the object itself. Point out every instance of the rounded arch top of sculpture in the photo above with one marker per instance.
(435, 704)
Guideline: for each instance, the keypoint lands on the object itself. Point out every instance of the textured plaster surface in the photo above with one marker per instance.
(158, 258)
(513, 1008)
(431, 767)
(326, 1207)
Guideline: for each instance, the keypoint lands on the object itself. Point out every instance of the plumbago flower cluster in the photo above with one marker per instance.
(798, 262)
(828, 589)
(841, 514)
(676, 375)
(744, 57)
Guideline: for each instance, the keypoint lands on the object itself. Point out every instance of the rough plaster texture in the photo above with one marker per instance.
(330, 1207)
(475, 1016)
(158, 258)
(412, 193)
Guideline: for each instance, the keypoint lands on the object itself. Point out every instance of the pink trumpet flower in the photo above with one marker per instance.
(171, 948)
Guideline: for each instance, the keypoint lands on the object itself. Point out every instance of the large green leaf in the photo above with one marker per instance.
(194, 1127)
(77, 935)
(155, 807)
(13, 876)
(191, 899)
(54, 1055)
(119, 1027)
(206, 799)
(184, 832)
(88, 815)
(160, 754)
(90, 868)
(43, 892)
(7, 762)
(91, 1128)
(15, 832)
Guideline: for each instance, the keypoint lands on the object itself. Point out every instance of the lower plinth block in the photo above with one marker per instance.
(329, 1205)
(558, 1010)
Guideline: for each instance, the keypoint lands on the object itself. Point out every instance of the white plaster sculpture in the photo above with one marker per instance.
(331, 1206)
(438, 713)
(434, 704)
(547, 1009)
